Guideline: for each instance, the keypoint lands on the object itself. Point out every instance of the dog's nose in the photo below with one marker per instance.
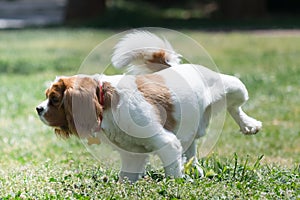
(39, 110)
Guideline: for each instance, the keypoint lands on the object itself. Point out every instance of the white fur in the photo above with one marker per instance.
(136, 49)
(195, 90)
(44, 106)
(132, 128)
(132, 125)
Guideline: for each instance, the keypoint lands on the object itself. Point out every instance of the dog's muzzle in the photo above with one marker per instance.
(40, 110)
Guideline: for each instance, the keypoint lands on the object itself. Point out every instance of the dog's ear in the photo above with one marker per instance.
(70, 129)
(82, 109)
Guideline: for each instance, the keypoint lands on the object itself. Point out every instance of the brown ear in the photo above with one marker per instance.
(82, 110)
(70, 129)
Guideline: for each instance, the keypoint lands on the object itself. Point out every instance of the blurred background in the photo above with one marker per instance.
(191, 14)
(254, 40)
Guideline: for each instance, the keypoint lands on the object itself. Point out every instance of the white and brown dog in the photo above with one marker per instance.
(162, 107)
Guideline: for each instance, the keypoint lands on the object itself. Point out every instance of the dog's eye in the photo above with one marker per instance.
(54, 100)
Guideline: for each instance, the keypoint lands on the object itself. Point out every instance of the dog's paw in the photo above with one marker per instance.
(193, 169)
(251, 126)
(199, 171)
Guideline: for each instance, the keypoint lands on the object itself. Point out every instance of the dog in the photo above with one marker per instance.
(160, 106)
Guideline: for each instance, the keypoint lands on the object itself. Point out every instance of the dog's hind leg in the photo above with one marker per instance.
(191, 153)
(236, 96)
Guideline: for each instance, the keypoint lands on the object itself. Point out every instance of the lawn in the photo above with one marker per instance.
(35, 164)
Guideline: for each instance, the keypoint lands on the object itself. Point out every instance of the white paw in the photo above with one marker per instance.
(200, 171)
(250, 126)
(192, 168)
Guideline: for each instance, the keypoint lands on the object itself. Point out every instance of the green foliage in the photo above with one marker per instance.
(35, 164)
(55, 50)
(84, 179)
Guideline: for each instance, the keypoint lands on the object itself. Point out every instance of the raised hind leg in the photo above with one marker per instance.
(236, 96)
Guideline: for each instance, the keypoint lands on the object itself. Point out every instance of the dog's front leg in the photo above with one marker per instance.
(132, 166)
(169, 150)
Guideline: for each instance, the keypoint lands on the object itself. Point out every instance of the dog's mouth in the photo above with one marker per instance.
(42, 118)
(40, 109)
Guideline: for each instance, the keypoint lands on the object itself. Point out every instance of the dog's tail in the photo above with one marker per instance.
(144, 52)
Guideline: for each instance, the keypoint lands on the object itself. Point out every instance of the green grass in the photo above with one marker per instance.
(35, 164)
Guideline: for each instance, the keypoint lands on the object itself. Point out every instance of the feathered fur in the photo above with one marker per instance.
(144, 52)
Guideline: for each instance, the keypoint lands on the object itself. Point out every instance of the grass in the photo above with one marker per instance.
(35, 164)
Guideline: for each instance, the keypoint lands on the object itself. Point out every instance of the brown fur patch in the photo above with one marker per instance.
(157, 94)
(111, 97)
(158, 61)
(85, 111)
(159, 58)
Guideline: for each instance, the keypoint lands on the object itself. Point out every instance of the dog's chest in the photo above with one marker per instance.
(119, 138)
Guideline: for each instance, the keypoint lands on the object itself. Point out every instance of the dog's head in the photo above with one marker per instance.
(74, 105)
